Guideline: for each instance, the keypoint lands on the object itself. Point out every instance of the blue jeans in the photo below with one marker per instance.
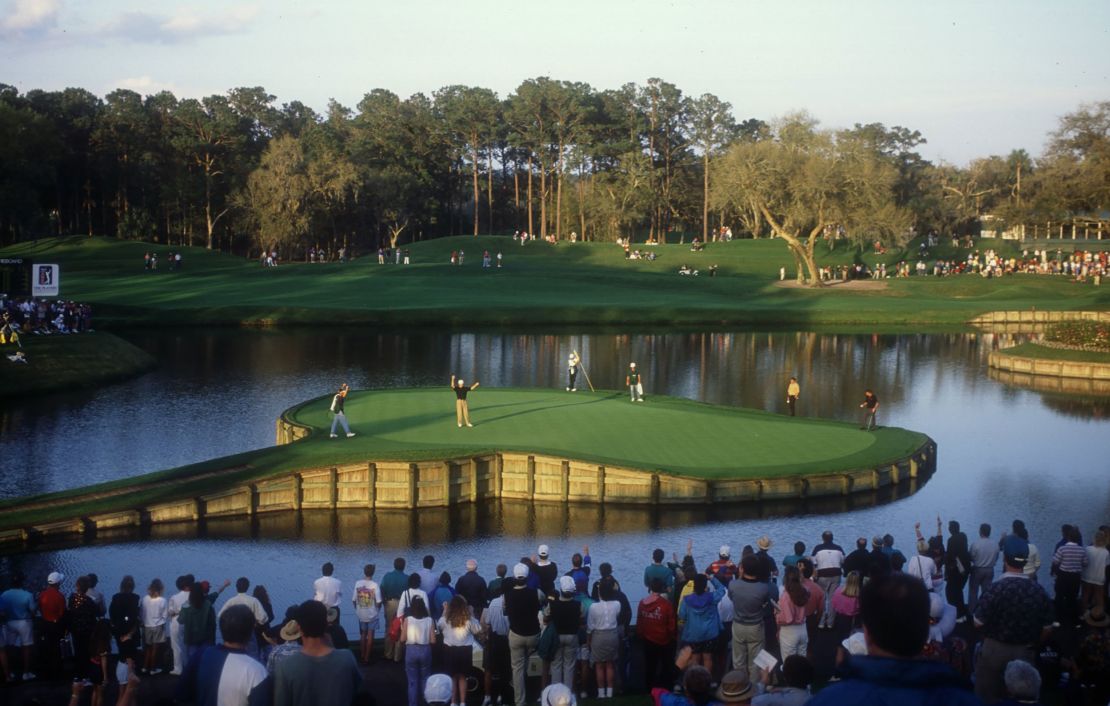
(340, 418)
(418, 667)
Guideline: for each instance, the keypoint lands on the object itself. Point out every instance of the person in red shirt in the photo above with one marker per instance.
(723, 568)
(52, 608)
(657, 629)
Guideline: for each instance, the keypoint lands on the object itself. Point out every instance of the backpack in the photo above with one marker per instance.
(548, 644)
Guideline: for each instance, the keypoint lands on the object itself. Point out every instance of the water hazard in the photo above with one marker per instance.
(1004, 451)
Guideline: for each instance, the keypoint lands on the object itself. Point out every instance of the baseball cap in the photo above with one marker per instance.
(520, 571)
(543, 550)
(725, 550)
(567, 585)
(1016, 550)
(55, 578)
(438, 689)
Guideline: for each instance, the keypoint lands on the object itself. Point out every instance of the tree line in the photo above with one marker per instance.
(240, 172)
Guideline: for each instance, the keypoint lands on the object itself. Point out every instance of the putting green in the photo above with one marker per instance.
(661, 434)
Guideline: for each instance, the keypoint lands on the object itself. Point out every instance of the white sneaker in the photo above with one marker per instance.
(156, 671)
(335, 436)
(460, 426)
(28, 676)
(469, 424)
(350, 434)
(568, 389)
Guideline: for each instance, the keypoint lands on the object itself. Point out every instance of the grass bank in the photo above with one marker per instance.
(541, 284)
(63, 362)
(1033, 350)
(663, 434)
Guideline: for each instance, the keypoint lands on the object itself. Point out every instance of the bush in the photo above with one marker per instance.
(1089, 335)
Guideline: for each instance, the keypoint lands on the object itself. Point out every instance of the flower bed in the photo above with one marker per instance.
(1079, 335)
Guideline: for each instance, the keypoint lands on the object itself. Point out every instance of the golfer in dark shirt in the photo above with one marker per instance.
(870, 406)
(462, 412)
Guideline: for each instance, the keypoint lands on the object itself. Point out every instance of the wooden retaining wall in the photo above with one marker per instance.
(1002, 361)
(1032, 321)
(386, 485)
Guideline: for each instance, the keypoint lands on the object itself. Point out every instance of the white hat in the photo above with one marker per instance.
(632, 365)
(438, 689)
(566, 584)
(557, 695)
(55, 578)
(520, 571)
(543, 551)
(725, 550)
(461, 381)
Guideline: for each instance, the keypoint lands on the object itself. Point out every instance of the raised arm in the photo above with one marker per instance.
(476, 384)
(452, 381)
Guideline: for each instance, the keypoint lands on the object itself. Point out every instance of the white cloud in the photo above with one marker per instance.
(29, 17)
(145, 85)
(185, 25)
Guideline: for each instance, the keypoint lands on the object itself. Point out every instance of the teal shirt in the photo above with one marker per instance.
(394, 584)
(633, 378)
(658, 571)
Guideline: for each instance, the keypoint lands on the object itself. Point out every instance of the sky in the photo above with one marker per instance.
(975, 78)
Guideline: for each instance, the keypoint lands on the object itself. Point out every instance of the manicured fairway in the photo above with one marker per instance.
(580, 284)
(661, 434)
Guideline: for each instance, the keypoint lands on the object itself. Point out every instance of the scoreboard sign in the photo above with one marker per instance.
(15, 277)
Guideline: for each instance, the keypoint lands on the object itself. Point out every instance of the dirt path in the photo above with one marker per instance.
(857, 285)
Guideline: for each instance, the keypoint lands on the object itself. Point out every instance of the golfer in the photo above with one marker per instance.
(337, 410)
(635, 387)
(572, 371)
(793, 391)
(870, 406)
(462, 412)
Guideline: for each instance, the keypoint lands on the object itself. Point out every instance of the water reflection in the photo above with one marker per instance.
(464, 523)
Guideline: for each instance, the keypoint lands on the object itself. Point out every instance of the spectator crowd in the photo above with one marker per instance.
(951, 620)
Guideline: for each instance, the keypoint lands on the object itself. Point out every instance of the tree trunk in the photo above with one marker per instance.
(705, 199)
(475, 174)
(543, 201)
(801, 251)
(489, 189)
(559, 194)
(531, 230)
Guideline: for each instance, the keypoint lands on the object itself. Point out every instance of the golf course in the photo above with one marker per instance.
(540, 284)
(412, 432)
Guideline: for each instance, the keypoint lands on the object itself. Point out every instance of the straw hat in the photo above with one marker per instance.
(735, 687)
(290, 631)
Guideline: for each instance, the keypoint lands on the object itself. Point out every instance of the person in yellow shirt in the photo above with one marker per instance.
(793, 390)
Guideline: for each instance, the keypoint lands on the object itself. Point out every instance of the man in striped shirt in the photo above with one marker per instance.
(1067, 565)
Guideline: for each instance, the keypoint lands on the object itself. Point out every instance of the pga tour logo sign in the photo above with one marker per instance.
(44, 280)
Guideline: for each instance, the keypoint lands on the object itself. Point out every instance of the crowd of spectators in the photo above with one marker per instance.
(931, 625)
(26, 315)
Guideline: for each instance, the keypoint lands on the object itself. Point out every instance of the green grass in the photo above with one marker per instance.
(65, 362)
(1032, 350)
(663, 434)
(541, 284)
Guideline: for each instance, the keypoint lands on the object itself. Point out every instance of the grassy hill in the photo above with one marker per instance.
(580, 284)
